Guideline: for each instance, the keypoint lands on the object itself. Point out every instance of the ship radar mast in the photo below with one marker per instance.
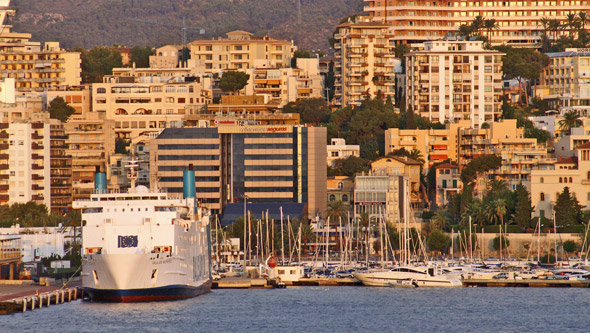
(132, 168)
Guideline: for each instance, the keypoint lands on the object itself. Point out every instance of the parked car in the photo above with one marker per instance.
(500, 276)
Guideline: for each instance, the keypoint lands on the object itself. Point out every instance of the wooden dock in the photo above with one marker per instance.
(40, 300)
(249, 283)
(534, 283)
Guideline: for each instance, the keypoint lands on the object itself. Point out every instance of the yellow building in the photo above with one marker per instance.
(240, 50)
(77, 97)
(454, 80)
(517, 20)
(402, 166)
(167, 56)
(573, 172)
(34, 68)
(519, 155)
(285, 85)
(565, 83)
(139, 105)
(91, 142)
(365, 62)
(436, 145)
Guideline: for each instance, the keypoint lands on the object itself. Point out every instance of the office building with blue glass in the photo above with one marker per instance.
(267, 164)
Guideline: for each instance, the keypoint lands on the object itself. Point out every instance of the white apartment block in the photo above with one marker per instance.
(453, 81)
(339, 149)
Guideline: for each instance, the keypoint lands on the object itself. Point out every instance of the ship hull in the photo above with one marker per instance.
(165, 293)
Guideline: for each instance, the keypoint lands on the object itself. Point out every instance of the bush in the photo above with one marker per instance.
(572, 229)
(491, 229)
(438, 241)
(505, 243)
(570, 246)
(548, 259)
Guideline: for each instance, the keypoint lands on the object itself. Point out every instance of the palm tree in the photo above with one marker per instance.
(465, 30)
(572, 19)
(570, 120)
(497, 186)
(490, 25)
(545, 23)
(336, 210)
(440, 219)
(583, 18)
(416, 154)
(477, 24)
(554, 26)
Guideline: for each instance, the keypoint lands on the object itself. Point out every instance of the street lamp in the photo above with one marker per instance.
(244, 260)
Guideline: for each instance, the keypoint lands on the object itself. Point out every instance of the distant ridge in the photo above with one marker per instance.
(88, 23)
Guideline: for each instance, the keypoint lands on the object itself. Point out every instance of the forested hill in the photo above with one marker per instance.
(88, 23)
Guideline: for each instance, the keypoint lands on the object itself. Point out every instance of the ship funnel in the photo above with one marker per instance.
(188, 183)
(100, 182)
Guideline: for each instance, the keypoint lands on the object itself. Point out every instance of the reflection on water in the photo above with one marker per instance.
(326, 309)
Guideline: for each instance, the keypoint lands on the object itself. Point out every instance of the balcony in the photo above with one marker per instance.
(585, 181)
(4, 166)
(4, 146)
(4, 135)
(37, 177)
(4, 156)
(35, 146)
(36, 157)
(36, 166)
(36, 136)
(4, 198)
(37, 197)
(4, 187)
(36, 187)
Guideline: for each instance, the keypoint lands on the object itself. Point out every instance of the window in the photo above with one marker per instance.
(570, 179)
(332, 197)
(542, 196)
(101, 91)
(345, 197)
(541, 180)
(560, 180)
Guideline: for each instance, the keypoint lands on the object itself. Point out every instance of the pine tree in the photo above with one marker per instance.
(524, 208)
(567, 209)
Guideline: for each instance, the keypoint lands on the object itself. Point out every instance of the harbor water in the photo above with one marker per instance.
(326, 309)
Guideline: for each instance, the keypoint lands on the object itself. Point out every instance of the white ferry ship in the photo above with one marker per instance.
(144, 246)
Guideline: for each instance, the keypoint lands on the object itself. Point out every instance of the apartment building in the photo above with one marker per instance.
(338, 149)
(517, 21)
(409, 168)
(268, 164)
(565, 82)
(435, 145)
(520, 155)
(239, 51)
(365, 62)
(167, 56)
(33, 66)
(77, 97)
(573, 172)
(454, 80)
(448, 183)
(285, 85)
(34, 165)
(241, 110)
(91, 142)
(145, 104)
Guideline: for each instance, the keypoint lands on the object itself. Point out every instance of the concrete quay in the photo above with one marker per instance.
(538, 283)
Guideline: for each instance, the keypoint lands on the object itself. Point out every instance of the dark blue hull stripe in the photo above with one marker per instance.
(147, 294)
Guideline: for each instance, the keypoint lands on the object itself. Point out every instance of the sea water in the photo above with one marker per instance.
(326, 309)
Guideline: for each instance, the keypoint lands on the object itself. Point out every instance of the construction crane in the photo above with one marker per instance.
(183, 30)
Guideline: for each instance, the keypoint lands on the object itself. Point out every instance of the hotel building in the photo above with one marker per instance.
(517, 20)
(365, 62)
(266, 163)
(454, 80)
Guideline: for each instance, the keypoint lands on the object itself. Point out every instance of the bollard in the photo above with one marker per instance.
(69, 295)
(33, 303)
(75, 294)
(25, 304)
(48, 299)
(63, 295)
(40, 301)
(56, 297)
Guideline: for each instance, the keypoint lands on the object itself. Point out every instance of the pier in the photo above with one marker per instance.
(253, 283)
(534, 283)
(22, 296)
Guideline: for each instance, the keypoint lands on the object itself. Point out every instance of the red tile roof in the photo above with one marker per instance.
(447, 166)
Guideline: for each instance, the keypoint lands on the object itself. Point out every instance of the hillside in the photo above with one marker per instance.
(88, 23)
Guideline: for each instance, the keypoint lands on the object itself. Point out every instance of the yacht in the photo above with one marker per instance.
(419, 276)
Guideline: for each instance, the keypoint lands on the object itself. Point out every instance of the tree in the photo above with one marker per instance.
(121, 146)
(349, 166)
(438, 241)
(233, 81)
(99, 62)
(141, 56)
(570, 246)
(524, 208)
(570, 120)
(312, 111)
(440, 220)
(479, 164)
(567, 209)
(59, 109)
(299, 54)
